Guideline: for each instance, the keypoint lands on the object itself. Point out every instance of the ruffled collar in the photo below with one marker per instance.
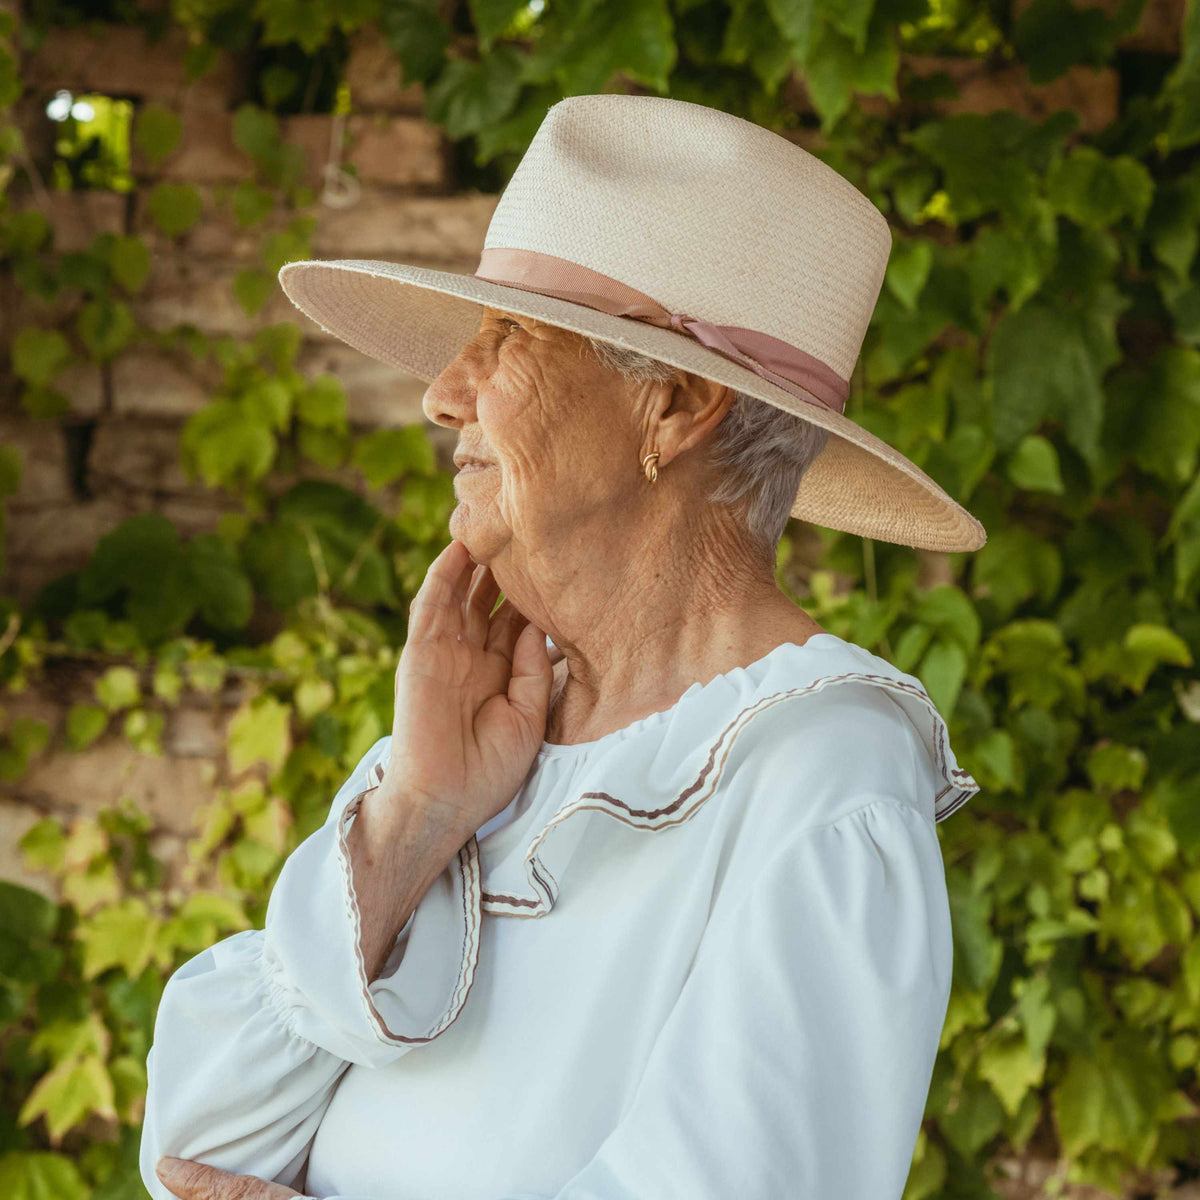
(677, 757)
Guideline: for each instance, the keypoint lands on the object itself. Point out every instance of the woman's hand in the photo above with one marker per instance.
(472, 694)
(190, 1180)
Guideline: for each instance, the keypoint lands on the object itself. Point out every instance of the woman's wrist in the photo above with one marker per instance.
(397, 848)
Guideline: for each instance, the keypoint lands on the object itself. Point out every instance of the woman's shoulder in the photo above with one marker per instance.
(811, 755)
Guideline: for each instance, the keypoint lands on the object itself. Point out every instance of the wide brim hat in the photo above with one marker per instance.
(697, 238)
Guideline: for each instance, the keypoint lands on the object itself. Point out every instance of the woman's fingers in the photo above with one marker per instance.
(504, 629)
(477, 607)
(436, 609)
(191, 1180)
(532, 678)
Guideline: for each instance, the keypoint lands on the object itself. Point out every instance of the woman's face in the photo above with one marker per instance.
(555, 430)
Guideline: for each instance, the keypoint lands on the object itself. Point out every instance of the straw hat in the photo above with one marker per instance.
(699, 239)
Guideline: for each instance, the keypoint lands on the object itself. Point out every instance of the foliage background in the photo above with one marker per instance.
(1035, 349)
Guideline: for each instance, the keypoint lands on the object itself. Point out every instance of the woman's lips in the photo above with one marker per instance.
(469, 468)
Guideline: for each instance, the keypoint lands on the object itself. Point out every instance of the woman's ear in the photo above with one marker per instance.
(688, 408)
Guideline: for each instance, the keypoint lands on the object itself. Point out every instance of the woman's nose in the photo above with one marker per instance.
(450, 398)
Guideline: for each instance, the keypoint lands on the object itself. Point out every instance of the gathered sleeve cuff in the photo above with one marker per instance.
(313, 949)
(252, 1035)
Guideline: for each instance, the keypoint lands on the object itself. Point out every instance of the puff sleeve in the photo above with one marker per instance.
(799, 1057)
(252, 1035)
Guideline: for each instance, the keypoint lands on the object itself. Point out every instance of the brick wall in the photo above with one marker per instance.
(117, 452)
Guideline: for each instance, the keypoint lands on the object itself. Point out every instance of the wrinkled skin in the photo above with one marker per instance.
(645, 588)
(197, 1181)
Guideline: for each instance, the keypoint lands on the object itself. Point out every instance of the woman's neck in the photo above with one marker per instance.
(638, 628)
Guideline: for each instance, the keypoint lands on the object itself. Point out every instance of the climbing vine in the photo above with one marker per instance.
(1035, 349)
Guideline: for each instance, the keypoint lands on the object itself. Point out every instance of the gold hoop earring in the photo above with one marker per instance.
(651, 467)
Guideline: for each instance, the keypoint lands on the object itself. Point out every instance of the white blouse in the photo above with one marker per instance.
(733, 984)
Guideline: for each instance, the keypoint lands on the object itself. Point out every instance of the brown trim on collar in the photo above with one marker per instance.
(960, 788)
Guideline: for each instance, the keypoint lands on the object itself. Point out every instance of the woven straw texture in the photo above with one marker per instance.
(712, 216)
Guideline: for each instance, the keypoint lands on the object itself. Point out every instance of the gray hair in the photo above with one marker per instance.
(763, 450)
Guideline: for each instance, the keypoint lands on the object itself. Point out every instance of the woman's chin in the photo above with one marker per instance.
(476, 534)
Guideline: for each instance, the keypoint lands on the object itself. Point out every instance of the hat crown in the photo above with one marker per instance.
(711, 215)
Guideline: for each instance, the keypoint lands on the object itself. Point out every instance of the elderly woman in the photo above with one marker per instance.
(642, 898)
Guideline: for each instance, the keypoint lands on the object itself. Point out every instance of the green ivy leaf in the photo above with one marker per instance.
(223, 592)
(1157, 644)
(977, 951)
(387, 454)
(322, 403)
(40, 1175)
(85, 723)
(259, 732)
(129, 262)
(157, 131)
(63, 1038)
(43, 845)
(118, 688)
(794, 18)
(143, 730)
(1034, 465)
(492, 17)
(252, 204)
(27, 924)
(118, 935)
(751, 37)
(908, 269)
(69, 1094)
(256, 131)
(253, 287)
(466, 96)
(1164, 437)
(1173, 223)
(1014, 566)
(1050, 36)
(202, 919)
(313, 696)
(279, 561)
(142, 558)
(417, 35)
(174, 207)
(26, 232)
(128, 1074)
(1113, 767)
(942, 672)
(516, 131)
(1011, 1068)
(279, 344)
(837, 67)
(105, 326)
(278, 83)
(1096, 191)
(323, 446)
(227, 444)
(1047, 362)
(601, 38)
(38, 355)
(989, 162)
(1016, 259)
(947, 610)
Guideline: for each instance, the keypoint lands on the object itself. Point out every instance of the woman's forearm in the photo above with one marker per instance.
(396, 851)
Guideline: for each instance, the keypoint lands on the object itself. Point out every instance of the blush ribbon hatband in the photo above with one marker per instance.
(777, 361)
